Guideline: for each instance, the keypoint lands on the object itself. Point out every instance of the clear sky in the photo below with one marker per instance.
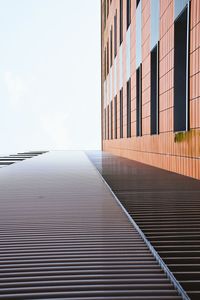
(49, 75)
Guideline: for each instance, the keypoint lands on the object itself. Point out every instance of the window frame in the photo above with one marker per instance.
(181, 70)
(154, 120)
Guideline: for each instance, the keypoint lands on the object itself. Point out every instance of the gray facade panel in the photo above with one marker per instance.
(179, 5)
(155, 17)
(139, 34)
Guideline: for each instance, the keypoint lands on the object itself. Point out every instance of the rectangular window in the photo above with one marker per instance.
(107, 57)
(107, 8)
(128, 13)
(105, 72)
(139, 101)
(115, 34)
(154, 89)
(111, 120)
(121, 113)
(121, 22)
(104, 13)
(108, 120)
(181, 60)
(128, 94)
(115, 117)
(111, 46)
(104, 123)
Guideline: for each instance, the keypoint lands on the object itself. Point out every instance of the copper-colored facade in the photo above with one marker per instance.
(170, 148)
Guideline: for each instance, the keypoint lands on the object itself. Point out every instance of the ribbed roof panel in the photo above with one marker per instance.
(63, 236)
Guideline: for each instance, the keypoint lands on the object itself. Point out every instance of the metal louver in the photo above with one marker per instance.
(166, 208)
(64, 236)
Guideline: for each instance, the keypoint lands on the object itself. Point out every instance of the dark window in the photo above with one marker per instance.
(181, 37)
(111, 46)
(104, 123)
(128, 13)
(108, 119)
(121, 113)
(154, 89)
(111, 120)
(128, 93)
(107, 58)
(139, 101)
(105, 63)
(104, 14)
(115, 34)
(107, 8)
(115, 117)
(137, 2)
(121, 22)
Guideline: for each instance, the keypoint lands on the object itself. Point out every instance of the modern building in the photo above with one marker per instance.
(151, 82)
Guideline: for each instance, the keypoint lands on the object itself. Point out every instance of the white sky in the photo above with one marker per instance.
(49, 75)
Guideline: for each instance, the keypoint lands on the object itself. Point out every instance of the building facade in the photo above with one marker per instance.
(151, 82)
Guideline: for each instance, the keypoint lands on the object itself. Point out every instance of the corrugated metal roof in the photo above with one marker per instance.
(64, 236)
(166, 208)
